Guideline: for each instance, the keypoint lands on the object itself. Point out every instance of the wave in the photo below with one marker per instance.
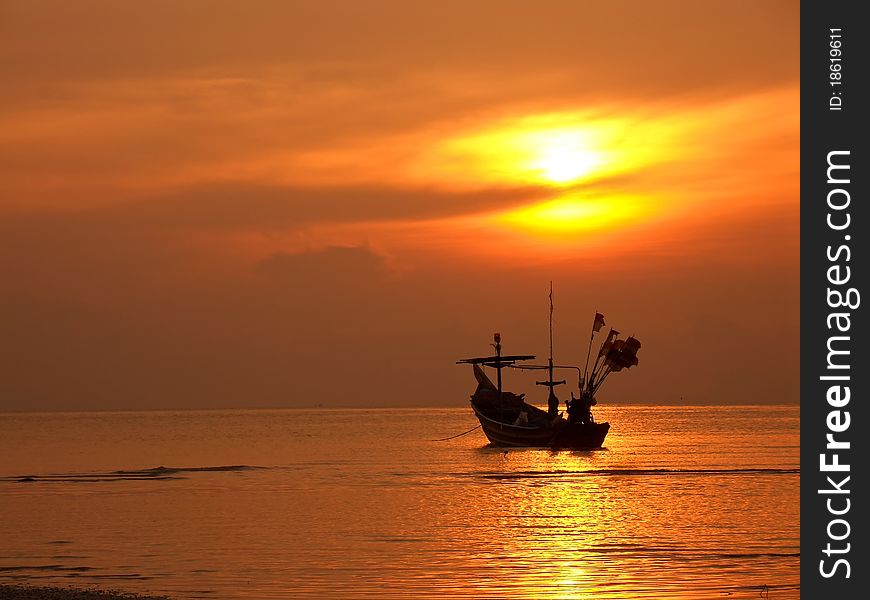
(172, 470)
(630, 473)
(45, 568)
(683, 552)
(152, 474)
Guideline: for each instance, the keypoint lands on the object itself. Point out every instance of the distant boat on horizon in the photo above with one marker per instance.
(508, 420)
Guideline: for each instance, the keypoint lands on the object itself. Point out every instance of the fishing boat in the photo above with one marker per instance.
(508, 420)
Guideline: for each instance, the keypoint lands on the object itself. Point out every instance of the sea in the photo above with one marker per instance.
(682, 502)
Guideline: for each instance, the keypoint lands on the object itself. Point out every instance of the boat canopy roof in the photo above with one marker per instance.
(492, 361)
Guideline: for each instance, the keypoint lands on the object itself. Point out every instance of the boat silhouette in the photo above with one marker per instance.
(508, 420)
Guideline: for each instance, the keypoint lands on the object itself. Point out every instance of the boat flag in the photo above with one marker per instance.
(622, 354)
(599, 322)
(608, 343)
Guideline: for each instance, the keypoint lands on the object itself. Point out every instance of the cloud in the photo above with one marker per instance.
(662, 46)
(252, 208)
(116, 96)
(109, 320)
(242, 206)
(205, 203)
(350, 265)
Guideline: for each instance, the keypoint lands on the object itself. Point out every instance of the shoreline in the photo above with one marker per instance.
(41, 592)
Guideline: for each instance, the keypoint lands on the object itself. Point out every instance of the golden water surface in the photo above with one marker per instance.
(684, 502)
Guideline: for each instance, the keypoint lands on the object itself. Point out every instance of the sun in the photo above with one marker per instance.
(555, 150)
(572, 163)
(564, 156)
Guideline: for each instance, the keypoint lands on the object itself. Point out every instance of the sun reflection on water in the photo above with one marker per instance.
(684, 503)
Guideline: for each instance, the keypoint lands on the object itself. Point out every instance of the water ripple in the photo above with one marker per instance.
(151, 474)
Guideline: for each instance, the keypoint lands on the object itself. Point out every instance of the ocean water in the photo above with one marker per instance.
(684, 502)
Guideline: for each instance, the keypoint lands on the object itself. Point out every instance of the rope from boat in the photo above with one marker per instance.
(453, 437)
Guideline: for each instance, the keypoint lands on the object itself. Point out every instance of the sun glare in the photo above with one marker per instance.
(564, 156)
(574, 213)
(593, 171)
(555, 150)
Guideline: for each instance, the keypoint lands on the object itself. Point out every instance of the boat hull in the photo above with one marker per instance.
(559, 434)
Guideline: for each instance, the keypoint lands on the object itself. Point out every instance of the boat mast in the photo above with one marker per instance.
(497, 362)
(588, 352)
(550, 360)
(552, 401)
(497, 338)
(498, 365)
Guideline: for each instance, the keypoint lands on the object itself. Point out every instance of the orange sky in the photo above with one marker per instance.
(221, 204)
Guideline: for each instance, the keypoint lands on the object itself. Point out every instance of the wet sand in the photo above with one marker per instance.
(27, 592)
